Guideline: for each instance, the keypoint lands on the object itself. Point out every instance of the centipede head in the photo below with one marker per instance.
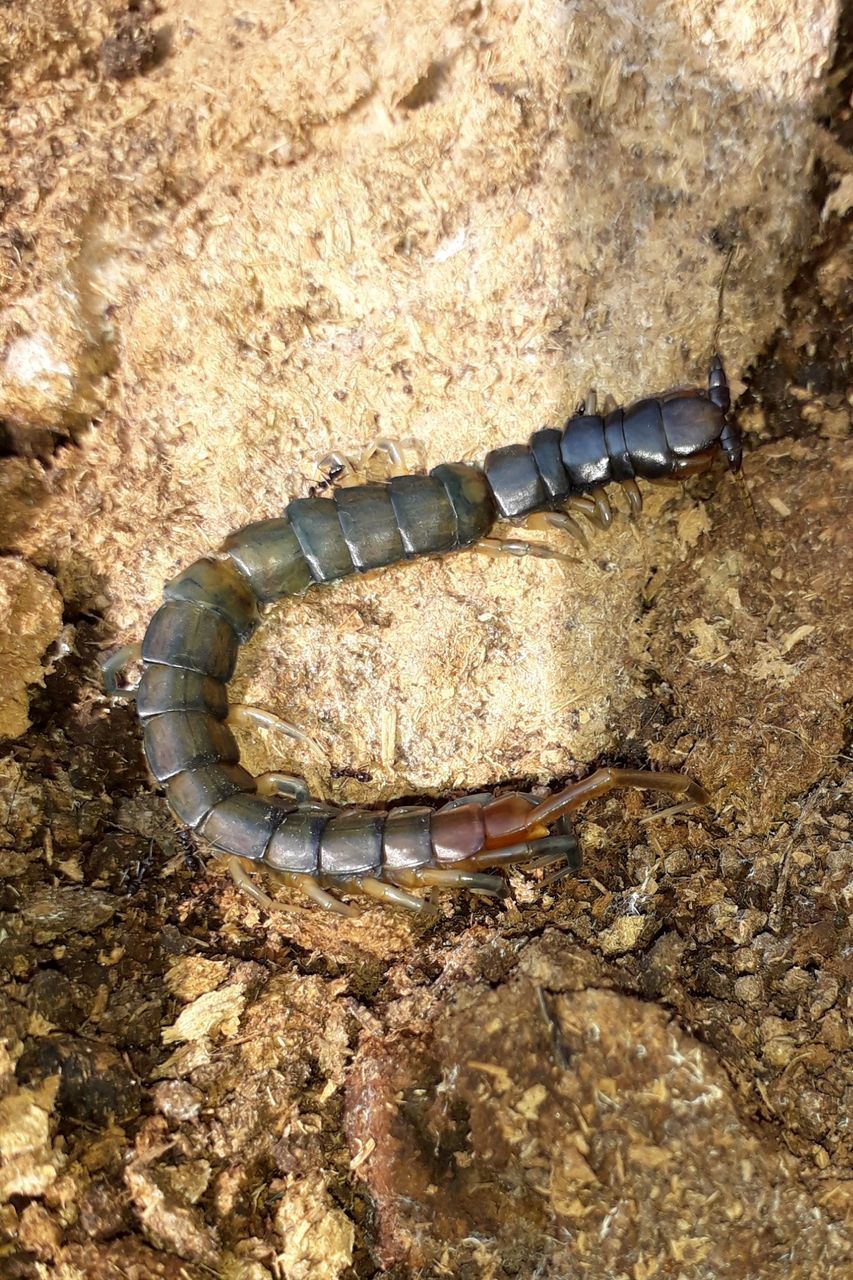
(699, 426)
(730, 440)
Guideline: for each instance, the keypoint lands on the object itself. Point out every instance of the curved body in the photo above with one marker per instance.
(190, 649)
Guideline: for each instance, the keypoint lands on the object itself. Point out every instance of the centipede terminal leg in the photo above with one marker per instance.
(562, 873)
(608, 779)
(538, 852)
(450, 878)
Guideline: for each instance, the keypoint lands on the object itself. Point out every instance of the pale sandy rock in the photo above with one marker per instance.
(28, 1163)
(30, 622)
(621, 936)
(166, 1222)
(216, 1013)
(318, 1238)
(192, 976)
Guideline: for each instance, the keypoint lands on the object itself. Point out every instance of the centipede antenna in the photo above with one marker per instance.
(720, 296)
(740, 477)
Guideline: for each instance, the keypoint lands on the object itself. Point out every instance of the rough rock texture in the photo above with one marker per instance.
(233, 239)
(579, 1126)
(31, 608)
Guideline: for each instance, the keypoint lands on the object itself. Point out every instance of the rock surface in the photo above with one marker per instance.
(549, 1117)
(31, 608)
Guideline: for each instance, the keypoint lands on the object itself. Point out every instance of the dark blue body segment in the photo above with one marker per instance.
(218, 585)
(176, 689)
(295, 846)
(351, 844)
(616, 445)
(514, 480)
(407, 840)
(369, 526)
(424, 514)
(545, 447)
(318, 530)
(180, 740)
(645, 439)
(269, 556)
(193, 793)
(584, 452)
(244, 824)
(471, 498)
(191, 636)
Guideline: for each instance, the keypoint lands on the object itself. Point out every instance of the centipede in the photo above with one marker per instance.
(400, 855)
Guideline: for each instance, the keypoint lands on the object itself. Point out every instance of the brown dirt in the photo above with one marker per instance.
(231, 241)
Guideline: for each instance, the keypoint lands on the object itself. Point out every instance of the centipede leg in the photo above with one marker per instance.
(274, 783)
(246, 885)
(585, 506)
(327, 901)
(518, 547)
(390, 893)
(603, 508)
(605, 780)
(558, 520)
(241, 715)
(112, 667)
(635, 498)
(562, 873)
(450, 878)
(673, 809)
(542, 853)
